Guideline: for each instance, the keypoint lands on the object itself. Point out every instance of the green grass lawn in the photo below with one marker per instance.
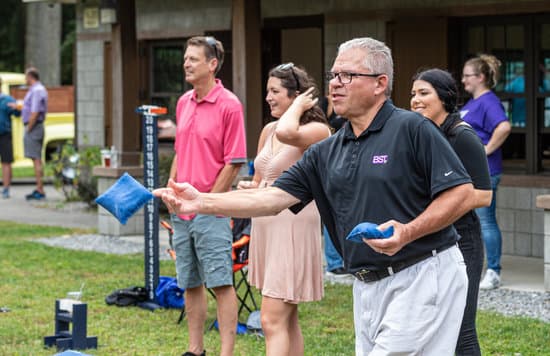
(33, 275)
(28, 172)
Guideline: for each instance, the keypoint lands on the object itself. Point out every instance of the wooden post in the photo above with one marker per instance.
(125, 84)
(125, 128)
(247, 69)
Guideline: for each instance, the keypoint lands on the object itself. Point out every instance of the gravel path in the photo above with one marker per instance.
(511, 302)
(505, 301)
(102, 243)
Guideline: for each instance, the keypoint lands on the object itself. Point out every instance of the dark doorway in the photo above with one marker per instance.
(411, 55)
(164, 81)
(292, 39)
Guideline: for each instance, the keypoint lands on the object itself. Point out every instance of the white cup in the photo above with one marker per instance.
(74, 295)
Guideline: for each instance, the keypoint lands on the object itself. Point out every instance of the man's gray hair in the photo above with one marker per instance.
(378, 57)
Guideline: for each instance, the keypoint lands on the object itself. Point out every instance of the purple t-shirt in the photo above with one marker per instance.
(36, 100)
(484, 114)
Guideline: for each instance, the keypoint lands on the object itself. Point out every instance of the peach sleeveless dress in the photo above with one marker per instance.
(285, 256)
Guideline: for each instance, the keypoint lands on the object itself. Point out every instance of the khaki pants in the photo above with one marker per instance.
(417, 311)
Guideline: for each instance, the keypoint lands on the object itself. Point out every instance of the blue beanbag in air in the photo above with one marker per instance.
(124, 198)
(368, 230)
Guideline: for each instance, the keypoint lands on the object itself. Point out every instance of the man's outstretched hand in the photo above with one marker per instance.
(180, 198)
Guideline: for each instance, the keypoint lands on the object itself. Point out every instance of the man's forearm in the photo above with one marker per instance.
(482, 198)
(442, 212)
(247, 203)
(225, 178)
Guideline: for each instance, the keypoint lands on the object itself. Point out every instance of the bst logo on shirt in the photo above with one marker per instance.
(382, 159)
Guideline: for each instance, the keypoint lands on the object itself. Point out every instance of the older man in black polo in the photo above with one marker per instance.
(386, 166)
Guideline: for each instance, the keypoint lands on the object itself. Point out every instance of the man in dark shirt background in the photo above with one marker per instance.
(386, 166)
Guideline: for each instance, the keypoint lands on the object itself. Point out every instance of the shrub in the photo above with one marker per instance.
(165, 163)
(72, 172)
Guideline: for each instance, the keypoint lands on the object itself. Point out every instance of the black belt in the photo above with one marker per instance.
(367, 276)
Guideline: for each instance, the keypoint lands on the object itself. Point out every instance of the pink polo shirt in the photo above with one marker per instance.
(210, 134)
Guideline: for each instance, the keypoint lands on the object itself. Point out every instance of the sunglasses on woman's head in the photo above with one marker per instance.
(290, 66)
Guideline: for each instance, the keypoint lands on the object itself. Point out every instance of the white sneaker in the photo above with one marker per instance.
(490, 281)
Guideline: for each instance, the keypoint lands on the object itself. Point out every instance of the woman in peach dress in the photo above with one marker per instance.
(285, 257)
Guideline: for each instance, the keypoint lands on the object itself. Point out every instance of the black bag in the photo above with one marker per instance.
(127, 296)
(241, 227)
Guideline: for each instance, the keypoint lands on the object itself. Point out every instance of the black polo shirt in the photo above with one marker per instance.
(393, 170)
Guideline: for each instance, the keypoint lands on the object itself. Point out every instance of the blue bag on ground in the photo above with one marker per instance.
(240, 329)
(168, 294)
(124, 198)
(368, 230)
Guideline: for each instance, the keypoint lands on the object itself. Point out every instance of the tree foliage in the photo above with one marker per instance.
(68, 42)
(12, 34)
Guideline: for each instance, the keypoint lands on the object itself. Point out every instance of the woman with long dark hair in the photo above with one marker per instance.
(434, 95)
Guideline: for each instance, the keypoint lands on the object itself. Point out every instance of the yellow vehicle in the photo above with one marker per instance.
(59, 125)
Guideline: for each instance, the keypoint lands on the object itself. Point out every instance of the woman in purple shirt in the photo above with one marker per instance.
(485, 113)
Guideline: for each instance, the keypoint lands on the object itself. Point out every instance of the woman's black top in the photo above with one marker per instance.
(470, 150)
(335, 121)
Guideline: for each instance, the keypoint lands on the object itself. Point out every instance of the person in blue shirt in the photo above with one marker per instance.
(6, 146)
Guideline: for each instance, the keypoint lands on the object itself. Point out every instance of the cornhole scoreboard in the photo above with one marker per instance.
(149, 114)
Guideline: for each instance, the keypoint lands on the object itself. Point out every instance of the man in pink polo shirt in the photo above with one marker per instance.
(210, 148)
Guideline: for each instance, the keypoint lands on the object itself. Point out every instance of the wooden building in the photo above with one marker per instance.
(130, 52)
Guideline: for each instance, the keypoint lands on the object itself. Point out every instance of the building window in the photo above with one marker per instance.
(542, 92)
(167, 82)
(166, 79)
(522, 44)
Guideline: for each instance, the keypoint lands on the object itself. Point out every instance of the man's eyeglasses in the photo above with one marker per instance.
(347, 77)
(212, 43)
(290, 66)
